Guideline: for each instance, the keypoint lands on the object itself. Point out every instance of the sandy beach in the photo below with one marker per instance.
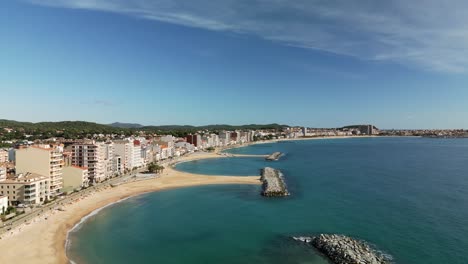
(42, 240)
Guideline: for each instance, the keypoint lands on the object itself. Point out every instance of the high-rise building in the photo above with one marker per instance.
(225, 137)
(117, 164)
(234, 136)
(366, 129)
(92, 156)
(137, 160)
(44, 160)
(109, 159)
(194, 140)
(125, 149)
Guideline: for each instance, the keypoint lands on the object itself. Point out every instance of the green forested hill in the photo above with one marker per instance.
(80, 129)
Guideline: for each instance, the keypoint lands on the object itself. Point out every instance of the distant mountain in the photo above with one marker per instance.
(52, 126)
(211, 127)
(125, 125)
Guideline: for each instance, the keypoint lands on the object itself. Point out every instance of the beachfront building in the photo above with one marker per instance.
(92, 156)
(45, 160)
(185, 145)
(225, 137)
(194, 140)
(169, 139)
(3, 173)
(4, 155)
(109, 159)
(146, 154)
(75, 177)
(28, 188)
(137, 159)
(3, 203)
(117, 164)
(124, 149)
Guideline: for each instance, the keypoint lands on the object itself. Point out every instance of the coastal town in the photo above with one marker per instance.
(40, 171)
(37, 172)
(40, 176)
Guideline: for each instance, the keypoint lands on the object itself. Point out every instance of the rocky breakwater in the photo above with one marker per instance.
(274, 156)
(345, 250)
(273, 183)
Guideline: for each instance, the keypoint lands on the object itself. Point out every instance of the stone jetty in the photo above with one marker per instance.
(341, 249)
(274, 156)
(273, 183)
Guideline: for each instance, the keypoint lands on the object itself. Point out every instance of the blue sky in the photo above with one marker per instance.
(312, 63)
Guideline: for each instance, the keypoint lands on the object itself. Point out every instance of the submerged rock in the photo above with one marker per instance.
(274, 156)
(341, 249)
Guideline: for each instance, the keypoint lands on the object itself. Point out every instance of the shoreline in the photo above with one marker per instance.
(46, 236)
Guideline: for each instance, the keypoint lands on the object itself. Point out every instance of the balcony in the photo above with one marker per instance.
(56, 173)
(56, 154)
(55, 170)
(30, 197)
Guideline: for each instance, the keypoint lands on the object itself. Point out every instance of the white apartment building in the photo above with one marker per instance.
(3, 173)
(124, 149)
(137, 159)
(3, 155)
(109, 159)
(91, 156)
(146, 154)
(117, 164)
(44, 160)
(185, 145)
(225, 137)
(215, 140)
(29, 188)
(3, 204)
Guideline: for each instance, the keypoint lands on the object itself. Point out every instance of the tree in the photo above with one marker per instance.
(155, 168)
(152, 167)
(210, 149)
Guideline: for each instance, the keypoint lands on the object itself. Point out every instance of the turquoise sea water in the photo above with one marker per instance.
(407, 196)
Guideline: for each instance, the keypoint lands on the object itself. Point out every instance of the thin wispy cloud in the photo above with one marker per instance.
(99, 103)
(428, 34)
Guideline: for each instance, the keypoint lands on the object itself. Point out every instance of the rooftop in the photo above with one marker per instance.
(78, 167)
(25, 178)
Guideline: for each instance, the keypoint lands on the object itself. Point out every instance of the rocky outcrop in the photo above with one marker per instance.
(273, 183)
(344, 250)
(274, 156)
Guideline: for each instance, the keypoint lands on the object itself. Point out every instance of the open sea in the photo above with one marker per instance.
(406, 196)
